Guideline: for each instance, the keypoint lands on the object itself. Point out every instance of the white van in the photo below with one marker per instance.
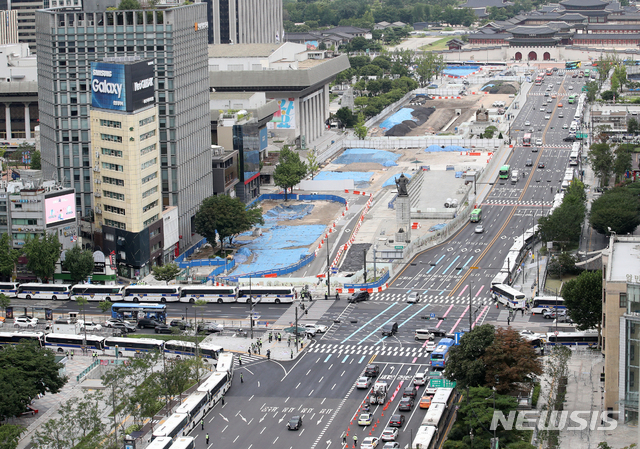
(515, 175)
(423, 334)
(413, 298)
(420, 379)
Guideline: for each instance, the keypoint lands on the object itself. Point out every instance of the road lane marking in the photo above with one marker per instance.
(454, 261)
(346, 357)
(459, 319)
(327, 359)
(361, 359)
(444, 316)
(379, 327)
(367, 323)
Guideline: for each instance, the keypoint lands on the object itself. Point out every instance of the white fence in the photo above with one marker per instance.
(391, 143)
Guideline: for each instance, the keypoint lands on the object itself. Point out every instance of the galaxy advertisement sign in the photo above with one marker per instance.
(59, 209)
(122, 87)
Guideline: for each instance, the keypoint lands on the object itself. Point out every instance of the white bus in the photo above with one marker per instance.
(425, 437)
(225, 363)
(435, 416)
(174, 427)
(216, 385)
(541, 304)
(208, 293)
(9, 289)
(276, 295)
(63, 342)
(180, 348)
(443, 396)
(131, 346)
(586, 338)
(183, 443)
(43, 291)
(500, 278)
(93, 292)
(13, 338)
(210, 351)
(195, 407)
(508, 296)
(161, 443)
(151, 293)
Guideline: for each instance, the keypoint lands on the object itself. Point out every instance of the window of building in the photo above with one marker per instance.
(146, 121)
(149, 177)
(114, 167)
(150, 220)
(114, 210)
(155, 232)
(156, 247)
(146, 135)
(24, 221)
(110, 152)
(623, 300)
(114, 181)
(151, 191)
(114, 195)
(149, 206)
(109, 237)
(110, 123)
(115, 224)
(147, 150)
(149, 163)
(111, 138)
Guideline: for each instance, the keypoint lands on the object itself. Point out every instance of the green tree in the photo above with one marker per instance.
(465, 364)
(129, 5)
(25, 372)
(10, 435)
(229, 216)
(289, 171)
(8, 256)
(618, 210)
(602, 160)
(42, 255)
(346, 117)
(564, 224)
(360, 130)
(583, 299)
(622, 162)
(633, 126)
(619, 78)
(5, 302)
(105, 306)
(608, 95)
(166, 272)
(430, 66)
(564, 263)
(36, 160)
(79, 263)
(592, 90)
(312, 162)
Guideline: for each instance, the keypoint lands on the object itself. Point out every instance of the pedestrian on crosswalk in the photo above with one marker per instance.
(240, 361)
(207, 437)
(202, 424)
(249, 351)
(289, 341)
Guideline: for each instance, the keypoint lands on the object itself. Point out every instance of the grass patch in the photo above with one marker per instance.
(440, 44)
(535, 396)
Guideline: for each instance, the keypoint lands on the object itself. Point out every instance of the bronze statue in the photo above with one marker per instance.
(401, 184)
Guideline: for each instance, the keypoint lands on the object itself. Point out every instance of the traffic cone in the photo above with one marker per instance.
(369, 433)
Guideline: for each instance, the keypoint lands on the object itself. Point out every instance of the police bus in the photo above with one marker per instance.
(208, 293)
(35, 290)
(508, 296)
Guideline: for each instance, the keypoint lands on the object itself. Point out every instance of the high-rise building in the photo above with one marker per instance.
(175, 39)
(244, 21)
(8, 27)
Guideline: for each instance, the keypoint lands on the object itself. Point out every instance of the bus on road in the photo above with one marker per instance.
(526, 140)
(476, 215)
(208, 293)
(94, 292)
(572, 65)
(151, 293)
(539, 80)
(284, 294)
(44, 291)
(126, 310)
(441, 353)
(586, 338)
(505, 172)
(587, 72)
(572, 98)
(508, 296)
(541, 304)
(9, 289)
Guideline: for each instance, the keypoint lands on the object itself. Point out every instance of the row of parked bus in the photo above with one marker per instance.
(150, 293)
(122, 346)
(435, 421)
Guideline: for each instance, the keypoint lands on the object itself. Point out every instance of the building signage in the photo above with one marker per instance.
(201, 26)
(122, 86)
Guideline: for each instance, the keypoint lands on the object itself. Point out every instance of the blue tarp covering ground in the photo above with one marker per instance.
(279, 247)
(358, 177)
(460, 71)
(354, 155)
(438, 148)
(392, 181)
(399, 117)
(287, 212)
(437, 227)
(488, 86)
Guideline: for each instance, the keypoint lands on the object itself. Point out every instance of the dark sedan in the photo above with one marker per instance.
(396, 420)
(540, 164)
(406, 404)
(163, 329)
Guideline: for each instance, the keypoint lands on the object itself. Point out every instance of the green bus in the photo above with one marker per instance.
(572, 65)
(586, 72)
(572, 98)
(476, 214)
(505, 172)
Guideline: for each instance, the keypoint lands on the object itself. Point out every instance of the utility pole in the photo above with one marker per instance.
(328, 270)
(296, 339)
(250, 307)
(470, 317)
(364, 258)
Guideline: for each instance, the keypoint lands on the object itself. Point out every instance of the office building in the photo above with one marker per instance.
(18, 94)
(8, 27)
(175, 39)
(244, 21)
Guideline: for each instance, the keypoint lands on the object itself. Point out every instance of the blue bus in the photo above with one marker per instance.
(127, 310)
(441, 353)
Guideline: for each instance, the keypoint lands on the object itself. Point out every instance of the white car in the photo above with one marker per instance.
(527, 123)
(413, 298)
(430, 346)
(370, 443)
(319, 328)
(25, 322)
(542, 109)
(547, 117)
(363, 382)
(539, 142)
(389, 434)
(111, 321)
(90, 326)
(565, 126)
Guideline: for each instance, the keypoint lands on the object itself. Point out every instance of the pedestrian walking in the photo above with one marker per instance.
(326, 296)
(344, 438)
(508, 321)
(249, 351)
(337, 296)
(292, 354)
(240, 362)
(222, 399)
(241, 379)
(268, 354)
(279, 337)
(259, 349)
(68, 354)
(355, 441)
(289, 341)
(202, 424)
(207, 437)
(522, 310)
(72, 354)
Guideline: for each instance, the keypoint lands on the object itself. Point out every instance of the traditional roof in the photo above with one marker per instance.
(573, 4)
(612, 26)
(531, 31)
(485, 4)
(572, 17)
(604, 36)
(455, 41)
(347, 29)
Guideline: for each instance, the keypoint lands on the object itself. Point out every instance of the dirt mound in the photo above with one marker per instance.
(359, 166)
(421, 115)
(398, 131)
(410, 123)
(501, 88)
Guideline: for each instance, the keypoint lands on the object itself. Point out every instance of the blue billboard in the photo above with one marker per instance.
(108, 89)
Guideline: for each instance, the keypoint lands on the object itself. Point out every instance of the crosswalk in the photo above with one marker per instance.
(508, 202)
(563, 147)
(368, 350)
(428, 299)
(558, 94)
